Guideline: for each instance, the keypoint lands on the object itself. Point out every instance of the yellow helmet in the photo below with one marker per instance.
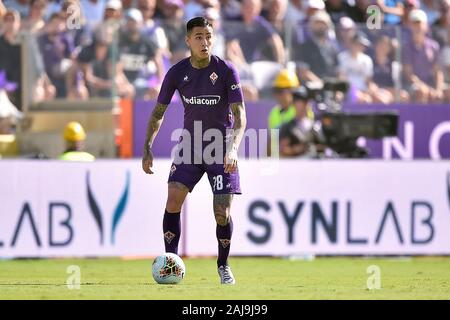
(286, 79)
(74, 132)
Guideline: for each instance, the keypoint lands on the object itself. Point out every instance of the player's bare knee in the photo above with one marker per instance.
(174, 202)
(173, 206)
(176, 195)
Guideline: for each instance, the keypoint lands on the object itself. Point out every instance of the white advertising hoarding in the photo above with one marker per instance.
(111, 208)
(104, 208)
(334, 207)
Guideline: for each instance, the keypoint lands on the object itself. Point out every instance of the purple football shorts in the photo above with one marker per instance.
(221, 182)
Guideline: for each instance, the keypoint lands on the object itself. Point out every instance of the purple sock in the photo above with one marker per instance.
(172, 231)
(223, 234)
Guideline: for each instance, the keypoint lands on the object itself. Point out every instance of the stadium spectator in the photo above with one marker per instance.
(275, 14)
(356, 67)
(113, 10)
(74, 138)
(21, 6)
(9, 113)
(111, 21)
(231, 9)
(192, 8)
(393, 11)
(151, 28)
(246, 43)
(76, 86)
(285, 82)
(174, 28)
(441, 28)
(445, 63)
(313, 6)
(127, 4)
(316, 58)
(111, 17)
(358, 11)
(301, 29)
(56, 48)
(9, 116)
(246, 40)
(337, 9)
(346, 30)
(79, 36)
(431, 8)
(95, 62)
(383, 87)
(79, 33)
(35, 22)
(10, 52)
(195, 8)
(52, 7)
(408, 6)
(297, 138)
(219, 47)
(10, 61)
(2, 11)
(140, 58)
(93, 12)
(296, 11)
(423, 75)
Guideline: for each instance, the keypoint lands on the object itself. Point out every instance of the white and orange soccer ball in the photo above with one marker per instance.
(168, 268)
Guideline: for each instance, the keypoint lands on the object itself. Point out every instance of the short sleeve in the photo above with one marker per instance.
(234, 88)
(167, 89)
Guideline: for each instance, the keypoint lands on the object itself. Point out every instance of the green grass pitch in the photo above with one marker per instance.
(257, 278)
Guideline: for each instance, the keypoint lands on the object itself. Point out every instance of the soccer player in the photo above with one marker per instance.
(211, 93)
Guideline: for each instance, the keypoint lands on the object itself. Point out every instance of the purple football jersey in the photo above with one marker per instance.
(206, 93)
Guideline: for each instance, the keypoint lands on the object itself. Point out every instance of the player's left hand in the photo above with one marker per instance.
(230, 161)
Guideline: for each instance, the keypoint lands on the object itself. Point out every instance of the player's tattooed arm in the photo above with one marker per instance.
(240, 122)
(153, 126)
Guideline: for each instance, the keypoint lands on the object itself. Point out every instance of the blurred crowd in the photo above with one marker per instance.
(398, 51)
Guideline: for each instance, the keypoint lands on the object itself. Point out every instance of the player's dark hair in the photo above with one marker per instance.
(197, 22)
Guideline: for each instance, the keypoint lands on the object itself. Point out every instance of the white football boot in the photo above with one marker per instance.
(226, 276)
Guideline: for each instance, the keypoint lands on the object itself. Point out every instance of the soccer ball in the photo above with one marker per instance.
(168, 268)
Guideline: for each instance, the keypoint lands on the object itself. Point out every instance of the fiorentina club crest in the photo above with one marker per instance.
(224, 242)
(172, 169)
(169, 236)
(213, 77)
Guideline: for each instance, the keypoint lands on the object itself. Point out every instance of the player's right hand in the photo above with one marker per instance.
(147, 162)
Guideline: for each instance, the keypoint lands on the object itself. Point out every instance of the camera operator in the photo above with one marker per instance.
(336, 132)
(298, 137)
